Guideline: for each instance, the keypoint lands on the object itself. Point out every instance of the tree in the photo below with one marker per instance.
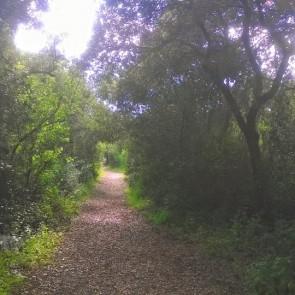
(241, 48)
(119, 28)
(14, 12)
(255, 19)
(11, 14)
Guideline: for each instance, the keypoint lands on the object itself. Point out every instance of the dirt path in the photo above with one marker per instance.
(111, 249)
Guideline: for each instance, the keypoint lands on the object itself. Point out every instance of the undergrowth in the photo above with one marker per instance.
(137, 201)
(38, 249)
(263, 257)
(58, 210)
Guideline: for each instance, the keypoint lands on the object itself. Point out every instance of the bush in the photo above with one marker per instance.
(8, 278)
(272, 276)
(159, 216)
(58, 210)
(135, 199)
(37, 250)
(264, 256)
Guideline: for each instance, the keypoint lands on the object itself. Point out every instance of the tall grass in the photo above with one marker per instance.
(136, 200)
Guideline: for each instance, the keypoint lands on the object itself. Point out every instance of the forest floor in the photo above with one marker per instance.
(112, 249)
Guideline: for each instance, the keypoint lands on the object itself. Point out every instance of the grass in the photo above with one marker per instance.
(136, 201)
(160, 216)
(37, 250)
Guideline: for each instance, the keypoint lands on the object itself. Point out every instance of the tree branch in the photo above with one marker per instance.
(35, 129)
(278, 79)
(246, 40)
(264, 98)
(232, 102)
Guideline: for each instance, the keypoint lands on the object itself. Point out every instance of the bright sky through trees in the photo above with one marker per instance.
(70, 20)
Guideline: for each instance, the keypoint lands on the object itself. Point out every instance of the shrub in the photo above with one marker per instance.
(264, 256)
(272, 276)
(160, 216)
(135, 199)
(57, 210)
(37, 250)
(8, 279)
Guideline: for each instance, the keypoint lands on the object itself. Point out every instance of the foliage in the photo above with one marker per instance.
(57, 210)
(211, 114)
(16, 11)
(51, 123)
(204, 91)
(37, 250)
(160, 216)
(272, 275)
(48, 140)
(114, 155)
(135, 199)
(199, 116)
(262, 256)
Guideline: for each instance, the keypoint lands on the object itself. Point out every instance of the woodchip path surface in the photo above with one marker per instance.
(111, 249)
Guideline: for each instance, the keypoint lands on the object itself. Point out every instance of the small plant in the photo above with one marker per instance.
(159, 216)
(263, 256)
(38, 249)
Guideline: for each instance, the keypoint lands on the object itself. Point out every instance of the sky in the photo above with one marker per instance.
(71, 20)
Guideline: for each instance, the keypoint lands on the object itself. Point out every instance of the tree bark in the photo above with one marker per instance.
(258, 174)
(248, 127)
(3, 185)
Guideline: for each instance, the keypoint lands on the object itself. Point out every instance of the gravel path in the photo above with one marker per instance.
(111, 249)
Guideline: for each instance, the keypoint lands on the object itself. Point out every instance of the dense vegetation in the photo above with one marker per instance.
(208, 90)
(202, 94)
(51, 124)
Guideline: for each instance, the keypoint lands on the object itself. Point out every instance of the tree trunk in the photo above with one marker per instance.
(3, 185)
(258, 173)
